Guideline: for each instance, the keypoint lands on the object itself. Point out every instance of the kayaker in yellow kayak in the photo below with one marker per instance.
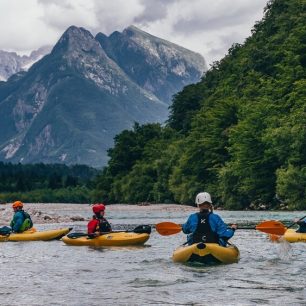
(21, 219)
(205, 226)
(301, 224)
(98, 224)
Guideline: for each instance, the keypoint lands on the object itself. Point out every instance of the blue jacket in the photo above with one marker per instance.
(17, 221)
(21, 221)
(217, 226)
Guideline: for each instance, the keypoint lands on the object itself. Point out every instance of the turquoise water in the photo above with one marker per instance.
(52, 273)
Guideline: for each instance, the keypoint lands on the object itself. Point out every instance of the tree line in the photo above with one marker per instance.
(46, 182)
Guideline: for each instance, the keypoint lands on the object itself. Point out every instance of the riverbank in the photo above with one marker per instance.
(52, 213)
(44, 213)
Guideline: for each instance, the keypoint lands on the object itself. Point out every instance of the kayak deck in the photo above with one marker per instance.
(33, 235)
(206, 253)
(292, 236)
(110, 239)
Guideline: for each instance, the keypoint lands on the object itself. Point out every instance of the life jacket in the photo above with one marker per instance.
(26, 224)
(203, 232)
(98, 225)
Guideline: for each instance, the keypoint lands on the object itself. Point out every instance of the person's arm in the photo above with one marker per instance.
(191, 225)
(220, 228)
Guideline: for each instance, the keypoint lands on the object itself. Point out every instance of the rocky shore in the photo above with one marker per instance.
(44, 213)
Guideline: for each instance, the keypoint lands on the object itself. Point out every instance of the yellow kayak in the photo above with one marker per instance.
(110, 239)
(34, 235)
(292, 236)
(206, 253)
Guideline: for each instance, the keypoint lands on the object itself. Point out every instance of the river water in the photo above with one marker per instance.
(52, 273)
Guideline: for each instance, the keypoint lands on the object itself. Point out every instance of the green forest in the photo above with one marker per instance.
(240, 133)
(55, 183)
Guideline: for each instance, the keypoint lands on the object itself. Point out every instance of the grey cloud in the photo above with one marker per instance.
(61, 3)
(226, 41)
(211, 23)
(153, 10)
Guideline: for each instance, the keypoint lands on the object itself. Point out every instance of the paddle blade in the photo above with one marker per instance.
(272, 227)
(168, 228)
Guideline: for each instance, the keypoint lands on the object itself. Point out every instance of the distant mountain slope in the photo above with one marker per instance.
(155, 64)
(11, 63)
(70, 104)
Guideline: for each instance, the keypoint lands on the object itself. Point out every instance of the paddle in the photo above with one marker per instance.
(270, 227)
(171, 228)
(275, 227)
(168, 228)
(140, 229)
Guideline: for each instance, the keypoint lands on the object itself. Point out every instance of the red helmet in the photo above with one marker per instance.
(97, 208)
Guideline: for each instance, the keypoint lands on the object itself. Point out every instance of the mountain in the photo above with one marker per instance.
(11, 62)
(70, 104)
(156, 65)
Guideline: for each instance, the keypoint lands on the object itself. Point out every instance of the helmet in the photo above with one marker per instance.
(97, 208)
(17, 204)
(203, 197)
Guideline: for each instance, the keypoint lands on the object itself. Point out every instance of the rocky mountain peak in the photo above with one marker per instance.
(133, 30)
(69, 106)
(153, 63)
(75, 38)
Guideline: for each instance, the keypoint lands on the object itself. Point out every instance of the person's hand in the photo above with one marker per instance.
(296, 221)
(234, 226)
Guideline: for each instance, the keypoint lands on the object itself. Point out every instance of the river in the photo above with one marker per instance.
(52, 273)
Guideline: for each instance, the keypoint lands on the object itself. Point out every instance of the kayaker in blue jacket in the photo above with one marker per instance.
(21, 219)
(205, 226)
(302, 226)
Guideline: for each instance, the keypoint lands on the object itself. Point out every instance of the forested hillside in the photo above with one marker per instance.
(46, 183)
(239, 134)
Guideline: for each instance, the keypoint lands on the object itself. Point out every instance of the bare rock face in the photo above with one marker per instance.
(157, 65)
(69, 105)
(11, 62)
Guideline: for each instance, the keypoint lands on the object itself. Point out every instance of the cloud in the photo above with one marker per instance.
(209, 27)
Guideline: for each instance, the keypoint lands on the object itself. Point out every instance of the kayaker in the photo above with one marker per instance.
(302, 225)
(21, 219)
(206, 226)
(98, 224)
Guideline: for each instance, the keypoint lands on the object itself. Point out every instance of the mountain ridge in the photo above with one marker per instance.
(70, 104)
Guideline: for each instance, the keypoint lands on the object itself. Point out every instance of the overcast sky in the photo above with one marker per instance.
(209, 27)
